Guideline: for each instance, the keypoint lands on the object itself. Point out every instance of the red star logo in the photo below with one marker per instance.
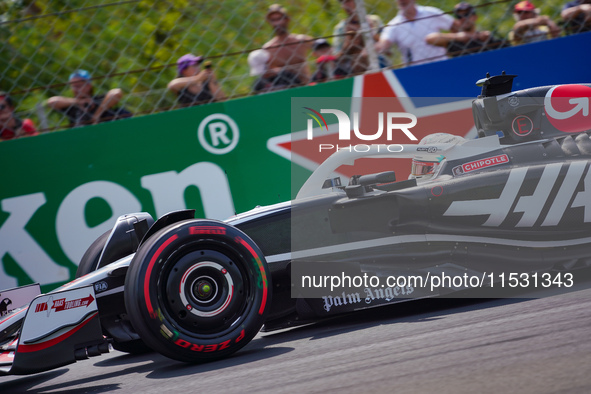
(379, 92)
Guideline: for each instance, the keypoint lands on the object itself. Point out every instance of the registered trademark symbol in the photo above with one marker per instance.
(218, 134)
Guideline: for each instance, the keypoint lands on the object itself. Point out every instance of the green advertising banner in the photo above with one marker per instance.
(62, 190)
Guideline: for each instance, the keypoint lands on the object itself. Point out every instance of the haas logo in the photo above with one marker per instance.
(567, 107)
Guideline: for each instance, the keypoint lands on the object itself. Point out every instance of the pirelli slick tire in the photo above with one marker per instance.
(197, 290)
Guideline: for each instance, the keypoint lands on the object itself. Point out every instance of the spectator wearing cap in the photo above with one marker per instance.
(86, 107)
(193, 84)
(408, 30)
(576, 15)
(288, 52)
(10, 125)
(464, 38)
(321, 48)
(530, 26)
(330, 65)
(325, 61)
(350, 7)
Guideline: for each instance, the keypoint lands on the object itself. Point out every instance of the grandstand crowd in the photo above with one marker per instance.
(417, 34)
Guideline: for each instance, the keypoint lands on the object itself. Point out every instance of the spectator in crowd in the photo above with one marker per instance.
(325, 61)
(287, 52)
(530, 26)
(10, 126)
(349, 6)
(329, 65)
(464, 38)
(352, 58)
(577, 16)
(322, 48)
(268, 80)
(195, 85)
(86, 107)
(408, 30)
(258, 61)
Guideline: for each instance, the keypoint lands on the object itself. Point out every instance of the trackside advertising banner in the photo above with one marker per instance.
(60, 191)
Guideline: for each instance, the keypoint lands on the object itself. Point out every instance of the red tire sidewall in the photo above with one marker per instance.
(165, 334)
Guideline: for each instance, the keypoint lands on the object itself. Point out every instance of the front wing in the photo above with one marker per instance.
(56, 329)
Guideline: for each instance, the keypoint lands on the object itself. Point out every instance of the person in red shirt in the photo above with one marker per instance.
(10, 126)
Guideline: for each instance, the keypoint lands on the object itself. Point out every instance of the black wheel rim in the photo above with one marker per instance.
(205, 292)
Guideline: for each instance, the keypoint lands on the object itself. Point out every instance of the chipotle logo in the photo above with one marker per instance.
(479, 164)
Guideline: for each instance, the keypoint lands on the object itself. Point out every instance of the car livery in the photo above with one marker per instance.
(516, 199)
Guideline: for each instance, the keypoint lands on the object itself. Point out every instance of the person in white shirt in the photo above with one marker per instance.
(408, 31)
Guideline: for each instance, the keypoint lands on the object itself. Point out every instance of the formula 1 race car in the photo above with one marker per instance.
(515, 200)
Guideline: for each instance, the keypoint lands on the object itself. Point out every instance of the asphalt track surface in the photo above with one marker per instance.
(518, 345)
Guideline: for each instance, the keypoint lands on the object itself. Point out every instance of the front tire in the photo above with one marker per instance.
(198, 290)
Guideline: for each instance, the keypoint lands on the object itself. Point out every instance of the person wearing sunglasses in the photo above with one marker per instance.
(10, 125)
(530, 26)
(464, 38)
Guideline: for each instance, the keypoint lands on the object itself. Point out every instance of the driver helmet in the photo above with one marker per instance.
(424, 170)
